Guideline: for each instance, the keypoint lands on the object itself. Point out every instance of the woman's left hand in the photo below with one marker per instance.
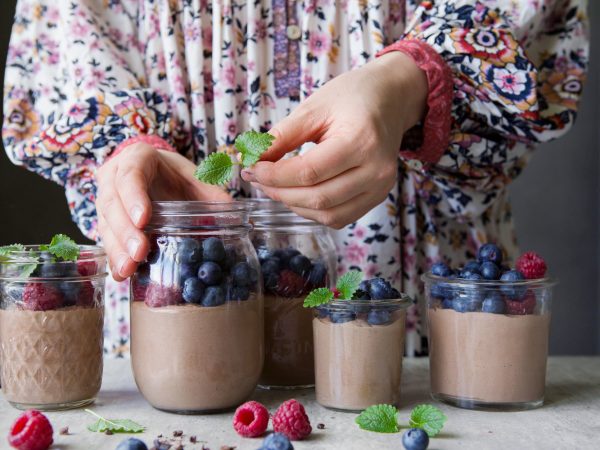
(357, 121)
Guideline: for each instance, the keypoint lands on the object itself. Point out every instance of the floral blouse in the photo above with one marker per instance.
(83, 76)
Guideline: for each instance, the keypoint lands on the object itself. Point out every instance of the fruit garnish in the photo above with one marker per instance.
(345, 288)
(531, 265)
(103, 425)
(251, 419)
(31, 431)
(291, 419)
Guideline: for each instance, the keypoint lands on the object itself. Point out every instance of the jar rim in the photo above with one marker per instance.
(265, 211)
(186, 207)
(458, 282)
(403, 302)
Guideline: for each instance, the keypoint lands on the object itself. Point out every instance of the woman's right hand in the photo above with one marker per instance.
(127, 184)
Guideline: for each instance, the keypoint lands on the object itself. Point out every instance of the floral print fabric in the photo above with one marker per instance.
(84, 76)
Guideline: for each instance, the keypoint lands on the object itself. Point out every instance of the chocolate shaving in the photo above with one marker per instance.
(178, 433)
(64, 431)
(193, 439)
(108, 432)
(227, 447)
(321, 426)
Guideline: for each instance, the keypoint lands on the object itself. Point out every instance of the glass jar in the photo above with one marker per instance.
(197, 340)
(488, 342)
(51, 320)
(359, 346)
(296, 255)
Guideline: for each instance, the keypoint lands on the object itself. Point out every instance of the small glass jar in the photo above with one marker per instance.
(488, 342)
(359, 346)
(51, 320)
(296, 255)
(197, 339)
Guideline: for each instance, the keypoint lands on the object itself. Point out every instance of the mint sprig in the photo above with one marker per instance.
(114, 425)
(427, 417)
(348, 284)
(379, 418)
(63, 247)
(318, 297)
(217, 168)
(23, 267)
(6, 250)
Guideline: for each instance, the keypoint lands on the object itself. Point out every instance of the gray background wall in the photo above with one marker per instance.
(556, 206)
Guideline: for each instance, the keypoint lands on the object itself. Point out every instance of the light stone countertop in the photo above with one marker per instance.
(570, 419)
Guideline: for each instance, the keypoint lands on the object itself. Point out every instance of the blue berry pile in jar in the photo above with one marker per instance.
(488, 331)
(296, 256)
(197, 342)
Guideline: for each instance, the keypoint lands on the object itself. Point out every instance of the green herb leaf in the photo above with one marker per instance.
(217, 168)
(63, 247)
(379, 418)
(114, 425)
(318, 297)
(6, 250)
(24, 266)
(252, 144)
(428, 418)
(348, 284)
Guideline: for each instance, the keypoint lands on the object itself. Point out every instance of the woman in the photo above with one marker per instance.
(116, 101)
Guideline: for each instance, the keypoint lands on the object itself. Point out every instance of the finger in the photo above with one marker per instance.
(325, 161)
(121, 265)
(325, 195)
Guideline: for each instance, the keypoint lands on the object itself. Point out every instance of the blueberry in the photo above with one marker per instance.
(437, 290)
(300, 264)
(466, 304)
(70, 292)
(489, 252)
(230, 256)
(441, 270)
(237, 293)
(58, 269)
(448, 303)
(271, 265)
(277, 441)
(469, 275)
(132, 444)
(322, 313)
(396, 293)
(193, 290)
(213, 250)
(342, 316)
(380, 289)
(318, 275)
(210, 273)
(13, 291)
(243, 274)
(365, 285)
(415, 439)
(213, 296)
(493, 303)
(285, 255)
(263, 254)
(379, 317)
(473, 267)
(187, 271)
(271, 280)
(513, 292)
(189, 251)
(489, 270)
(361, 295)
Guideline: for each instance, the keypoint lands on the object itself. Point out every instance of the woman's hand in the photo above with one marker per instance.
(126, 185)
(357, 121)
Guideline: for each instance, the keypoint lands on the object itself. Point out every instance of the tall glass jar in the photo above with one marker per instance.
(296, 255)
(197, 341)
(51, 319)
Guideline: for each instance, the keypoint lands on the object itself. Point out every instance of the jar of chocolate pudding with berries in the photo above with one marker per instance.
(296, 255)
(197, 340)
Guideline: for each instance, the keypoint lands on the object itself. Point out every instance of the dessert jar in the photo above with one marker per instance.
(296, 255)
(488, 342)
(359, 346)
(51, 319)
(197, 339)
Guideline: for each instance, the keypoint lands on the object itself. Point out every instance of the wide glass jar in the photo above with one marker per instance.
(197, 340)
(488, 341)
(296, 255)
(359, 346)
(51, 319)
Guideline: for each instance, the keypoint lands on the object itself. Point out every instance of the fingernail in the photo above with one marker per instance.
(136, 214)
(248, 175)
(133, 245)
(121, 263)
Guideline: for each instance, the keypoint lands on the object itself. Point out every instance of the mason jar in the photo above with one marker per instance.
(296, 256)
(51, 320)
(488, 341)
(197, 341)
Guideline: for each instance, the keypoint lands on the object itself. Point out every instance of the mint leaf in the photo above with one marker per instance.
(252, 144)
(63, 247)
(348, 284)
(6, 250)
(23, 266)
(379, 418)
(428, 418)
(217, 168)
(114, 425)
(318, 297)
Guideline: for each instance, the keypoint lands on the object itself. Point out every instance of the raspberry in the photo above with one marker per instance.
(251, 419)
(85, 267)
(85, 297)
(158, 296)
(336, 293)
(42, 296)
(531, 265)
(291, 420)
(290, 284)
(521, 307)
(31, 431)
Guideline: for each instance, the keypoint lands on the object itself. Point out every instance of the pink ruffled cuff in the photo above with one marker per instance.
(436, 125)
(150, 139)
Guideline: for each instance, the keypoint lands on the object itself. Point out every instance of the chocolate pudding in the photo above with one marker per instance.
(51, 359)
(358, 364)
(192, 359)
(481, 358)
(289, 358)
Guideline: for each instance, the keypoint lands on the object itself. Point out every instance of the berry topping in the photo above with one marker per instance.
(230, 256)
(489, 270)
(132, 444)
(318, 275)
(489, 252)
(521, 307)
(213, 296)
(493, 303)
(441, 270)
(513, 292)
(415, 439)
(85, 294)
(342, 316)
(86, 268)
(379, 317)
(380, 289)
(31, 431)
(158, 296)
(466, 304)
(291, 420)
(42, 296)
(276, 441)
(58, 269)
(213, 250)
(237, 293)
(290, 284)
(189, 251)
(210, 273)
(531, 265)
(300, 264)
(251, 419)
(193, 290)
(243, 274)
(285, 255)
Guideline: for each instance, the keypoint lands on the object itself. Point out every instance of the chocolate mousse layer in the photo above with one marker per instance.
(357, 364)
(192, 359)
(289, 354)
(488, 358)
(51, 359)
